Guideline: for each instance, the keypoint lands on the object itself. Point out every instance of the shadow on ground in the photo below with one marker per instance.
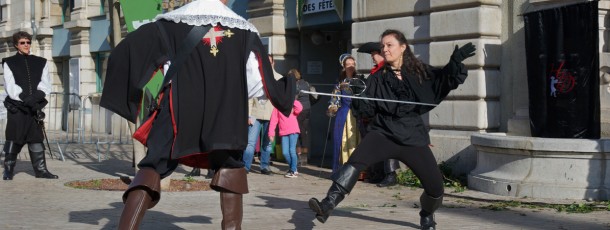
(152, 219)
(304, 219)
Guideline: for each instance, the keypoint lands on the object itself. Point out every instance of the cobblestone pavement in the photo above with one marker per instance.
(274, 202)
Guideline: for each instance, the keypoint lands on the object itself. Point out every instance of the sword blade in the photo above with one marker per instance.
(368, 98)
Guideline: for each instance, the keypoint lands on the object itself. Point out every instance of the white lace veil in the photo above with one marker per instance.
(207, 12)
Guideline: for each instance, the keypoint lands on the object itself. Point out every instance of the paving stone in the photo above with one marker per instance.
(274, 202)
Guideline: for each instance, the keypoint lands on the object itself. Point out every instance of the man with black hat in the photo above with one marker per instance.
(391, 165)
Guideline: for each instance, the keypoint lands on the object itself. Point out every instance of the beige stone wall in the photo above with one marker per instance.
(18, 18)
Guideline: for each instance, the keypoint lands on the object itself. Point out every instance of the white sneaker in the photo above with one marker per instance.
(290, 175)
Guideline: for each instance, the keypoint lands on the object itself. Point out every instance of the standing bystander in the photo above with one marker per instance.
(258, 122)
(303, 118)
(387, 169)
(27, 82)
(289, 131)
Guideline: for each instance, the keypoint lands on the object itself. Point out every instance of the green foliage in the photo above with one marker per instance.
(569, 208)
(502, 205)
(457, 183)
(189, 179)
(408, 178)
(575, 208)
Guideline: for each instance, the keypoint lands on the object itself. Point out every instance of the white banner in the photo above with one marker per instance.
(316, 6)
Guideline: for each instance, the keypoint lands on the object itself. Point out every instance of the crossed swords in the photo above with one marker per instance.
(367, 98)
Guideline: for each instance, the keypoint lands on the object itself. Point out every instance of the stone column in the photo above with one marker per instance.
(268, 17)
(514, 74)
(604, 61)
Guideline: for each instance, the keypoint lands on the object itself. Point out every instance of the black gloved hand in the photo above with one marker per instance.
(460, 54)
(39, 104)
(40, 115)
(34, 99)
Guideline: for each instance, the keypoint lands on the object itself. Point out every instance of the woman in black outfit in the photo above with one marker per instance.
(303, 117)
(397, 130)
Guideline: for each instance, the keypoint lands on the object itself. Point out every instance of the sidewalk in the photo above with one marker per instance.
(274, 202)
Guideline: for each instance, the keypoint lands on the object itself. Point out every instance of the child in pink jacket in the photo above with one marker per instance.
(289, 131)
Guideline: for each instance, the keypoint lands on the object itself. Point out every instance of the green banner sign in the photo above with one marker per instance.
(140, 12)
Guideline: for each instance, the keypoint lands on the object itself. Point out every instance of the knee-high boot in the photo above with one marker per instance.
(232, 183)
(11, 150)
(428, 205)
(143, 193)
(38, 161)
(343, 181)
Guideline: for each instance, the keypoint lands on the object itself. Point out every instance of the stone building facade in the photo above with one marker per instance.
(493, 99)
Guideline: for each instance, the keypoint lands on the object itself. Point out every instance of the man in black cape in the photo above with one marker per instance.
(200, 118)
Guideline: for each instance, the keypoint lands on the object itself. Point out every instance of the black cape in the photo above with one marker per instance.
(208, 94)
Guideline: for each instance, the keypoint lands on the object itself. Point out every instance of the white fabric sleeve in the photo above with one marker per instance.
(254, 79)
(166, 66)
(45, 81)
(12, 89)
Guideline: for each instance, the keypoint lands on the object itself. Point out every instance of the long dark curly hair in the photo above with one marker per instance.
(413, 65)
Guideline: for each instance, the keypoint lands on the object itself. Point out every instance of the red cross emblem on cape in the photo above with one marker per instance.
(214, 37)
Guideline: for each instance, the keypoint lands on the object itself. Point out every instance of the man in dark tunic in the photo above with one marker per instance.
(201, 116)
(27, 82)
(387, 169)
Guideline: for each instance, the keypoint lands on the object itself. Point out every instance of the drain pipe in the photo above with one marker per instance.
(33, 19)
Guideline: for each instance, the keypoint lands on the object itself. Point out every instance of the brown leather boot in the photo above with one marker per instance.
(135, 207)
(143, 193)
(231, 205)
(232, 183)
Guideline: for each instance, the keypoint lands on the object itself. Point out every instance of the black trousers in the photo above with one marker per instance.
(161, 138)
(303, 120)
(375, 147)
(21, 128)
